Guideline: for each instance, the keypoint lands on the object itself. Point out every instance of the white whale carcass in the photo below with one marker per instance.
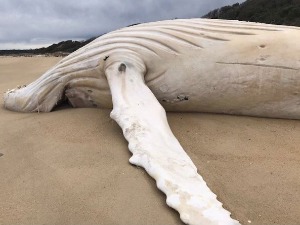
(199, 65)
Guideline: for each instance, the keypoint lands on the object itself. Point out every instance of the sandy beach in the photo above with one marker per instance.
(71, 166)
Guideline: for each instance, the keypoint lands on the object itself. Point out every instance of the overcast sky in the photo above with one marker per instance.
(37, 23)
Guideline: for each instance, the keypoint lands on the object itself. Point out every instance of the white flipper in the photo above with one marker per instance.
(155, 148)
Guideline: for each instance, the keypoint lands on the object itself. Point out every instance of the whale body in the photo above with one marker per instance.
(195, 65)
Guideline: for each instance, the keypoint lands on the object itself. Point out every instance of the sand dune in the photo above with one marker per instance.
(71, 166)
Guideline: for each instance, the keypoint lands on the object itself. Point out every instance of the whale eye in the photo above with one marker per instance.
(122, 67)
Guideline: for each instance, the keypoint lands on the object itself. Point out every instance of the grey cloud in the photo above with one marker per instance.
(32, 22)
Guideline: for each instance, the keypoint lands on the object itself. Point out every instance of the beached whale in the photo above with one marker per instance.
(198, 65)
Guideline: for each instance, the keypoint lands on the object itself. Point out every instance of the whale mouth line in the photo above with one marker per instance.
(260, 65)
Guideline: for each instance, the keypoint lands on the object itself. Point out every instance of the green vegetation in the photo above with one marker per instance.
(64, 46)
(60, 49)
(283, 12)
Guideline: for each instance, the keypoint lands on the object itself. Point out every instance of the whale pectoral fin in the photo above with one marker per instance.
(155, 148)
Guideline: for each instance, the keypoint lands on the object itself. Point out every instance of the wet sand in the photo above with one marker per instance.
(71, 166)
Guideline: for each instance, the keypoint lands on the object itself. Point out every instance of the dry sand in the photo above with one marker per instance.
(71, 166)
